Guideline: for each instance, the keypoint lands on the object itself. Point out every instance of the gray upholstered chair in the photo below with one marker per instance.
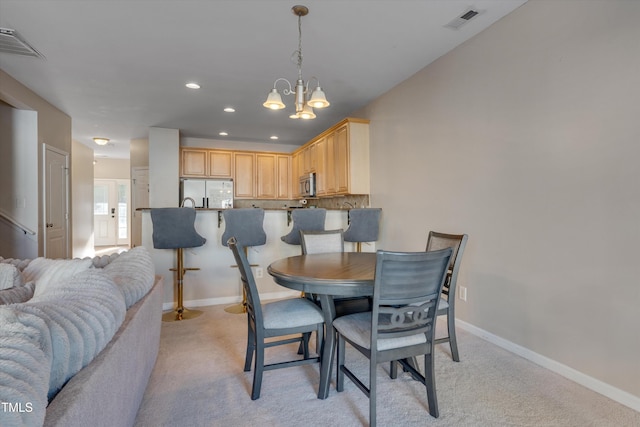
(407, 288)
(364, 226)
(304, 219)
(247, 226)
(174, 228)
(275, 319)
(446, 306)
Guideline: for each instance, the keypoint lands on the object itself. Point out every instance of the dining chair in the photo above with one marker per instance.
(401, 325)
(327, 241)
(281, 318)
(447, 304)
(247, 226)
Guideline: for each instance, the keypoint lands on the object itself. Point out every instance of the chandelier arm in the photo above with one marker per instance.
(306, 89)
(286, 91)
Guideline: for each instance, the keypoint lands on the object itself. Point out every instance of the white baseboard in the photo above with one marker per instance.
(230, 300)
(613, 393)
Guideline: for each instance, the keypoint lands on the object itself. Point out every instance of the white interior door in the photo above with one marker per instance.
(111, 212)
(56, 215)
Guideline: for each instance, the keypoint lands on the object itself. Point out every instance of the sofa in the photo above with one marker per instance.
(78, 339)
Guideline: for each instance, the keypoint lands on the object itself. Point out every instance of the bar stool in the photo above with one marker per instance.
(307, 220)
(364, 226)
(173, 228)
(246, 225)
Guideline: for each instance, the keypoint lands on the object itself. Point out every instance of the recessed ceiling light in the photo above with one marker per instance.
(230, 110)
(193, 85)
(223, 134)
(101, 141)
(273, 137)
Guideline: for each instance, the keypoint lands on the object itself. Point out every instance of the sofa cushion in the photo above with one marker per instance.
(10, 276)
(133, 271)
(82, 314)
(17, 294)
(101, 261)
(45, 271)
(21, 264)
(25, 363)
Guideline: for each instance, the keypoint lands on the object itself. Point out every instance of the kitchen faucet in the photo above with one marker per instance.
(193, 202)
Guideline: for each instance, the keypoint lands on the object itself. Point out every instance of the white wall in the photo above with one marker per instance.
(82, 205)
(526, 137)
(53, 128)
(19, 175)
(106, 168)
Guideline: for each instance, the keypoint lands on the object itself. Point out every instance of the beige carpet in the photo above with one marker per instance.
(198, 381)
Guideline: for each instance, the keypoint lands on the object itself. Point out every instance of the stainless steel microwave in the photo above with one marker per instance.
(308, 185)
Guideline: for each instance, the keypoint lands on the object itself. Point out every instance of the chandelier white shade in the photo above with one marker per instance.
(304, 103)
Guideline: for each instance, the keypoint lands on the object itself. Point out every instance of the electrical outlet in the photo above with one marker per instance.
(462, 293)
(259, 273)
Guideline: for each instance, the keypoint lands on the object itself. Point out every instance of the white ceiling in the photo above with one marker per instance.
(118, 67)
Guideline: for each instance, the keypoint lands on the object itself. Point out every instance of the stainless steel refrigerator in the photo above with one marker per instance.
(207, 193)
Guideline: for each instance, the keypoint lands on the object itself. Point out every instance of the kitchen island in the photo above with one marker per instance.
(217, 282)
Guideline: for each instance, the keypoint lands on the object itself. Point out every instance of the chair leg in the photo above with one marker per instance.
(430, 384)
(340, 357)
(258, 371)
(372, 392)
(305, 344)
(393, 369)
(453, 343)
(251, 346)
(319, 339)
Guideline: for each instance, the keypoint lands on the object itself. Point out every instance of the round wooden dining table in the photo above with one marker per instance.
(344, 274)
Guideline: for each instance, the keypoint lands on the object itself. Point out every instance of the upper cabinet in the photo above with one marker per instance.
(245, 175)
(220, 164)
(203, 163)
(340, 158)
(193, 162)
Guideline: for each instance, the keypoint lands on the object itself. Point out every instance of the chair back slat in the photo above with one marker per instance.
(254, 309)
(457, 243)
(320, 242)
(407, 288)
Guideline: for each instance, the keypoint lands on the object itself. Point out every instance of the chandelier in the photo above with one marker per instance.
(304, 102)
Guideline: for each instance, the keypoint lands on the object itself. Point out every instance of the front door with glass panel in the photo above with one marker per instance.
(111, 212)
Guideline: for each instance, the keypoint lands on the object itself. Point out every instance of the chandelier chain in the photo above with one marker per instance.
(300, 47)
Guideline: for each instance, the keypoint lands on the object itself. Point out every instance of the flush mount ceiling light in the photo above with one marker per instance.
(193, 85)
(229, 110)
(101, 141)
(304, 102)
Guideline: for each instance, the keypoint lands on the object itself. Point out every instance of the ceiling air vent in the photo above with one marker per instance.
(462, 19)
(11, 42)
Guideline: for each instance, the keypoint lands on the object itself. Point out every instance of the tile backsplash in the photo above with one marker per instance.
(341, 202)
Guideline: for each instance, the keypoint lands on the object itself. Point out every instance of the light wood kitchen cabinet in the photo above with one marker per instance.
(352, 157)
(220, 164)
(244, 164)
(295, 174)
(284, 188)
(266, 183)
(193, 162)
(321, 169)
(340, 158)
